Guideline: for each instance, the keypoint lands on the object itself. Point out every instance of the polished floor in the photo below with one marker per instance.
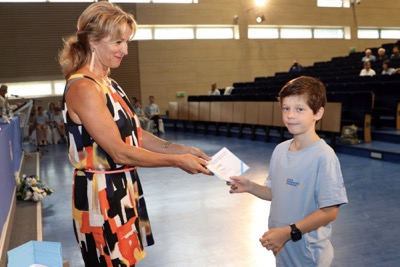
(196, 222)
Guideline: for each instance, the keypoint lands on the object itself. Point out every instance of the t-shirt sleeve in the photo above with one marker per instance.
(268, 180)
(332, 190)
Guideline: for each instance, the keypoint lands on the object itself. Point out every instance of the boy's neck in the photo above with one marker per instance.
(302, 141)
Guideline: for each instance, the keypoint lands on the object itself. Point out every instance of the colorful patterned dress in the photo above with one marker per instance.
(110, 218)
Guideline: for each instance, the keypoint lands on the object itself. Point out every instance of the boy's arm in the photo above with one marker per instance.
(317, 219)
(275, 238)
(240, 184)
(260, 191)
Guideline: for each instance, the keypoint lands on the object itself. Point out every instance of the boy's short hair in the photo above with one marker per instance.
(313, 89)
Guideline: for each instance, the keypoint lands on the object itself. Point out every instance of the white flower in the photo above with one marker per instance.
(35, 196)
(37, 190)
(31, 188)
(28, 195)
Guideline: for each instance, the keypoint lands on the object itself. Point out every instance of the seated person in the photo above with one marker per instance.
(214, 90)
(382, 54)
(58, 121)
(134, 99)
(51, 110)
(144, 121)
(41, 120)
(3, 92)
(153, 112)
(395, 52)
(387, 69)
(32, 122)
(368, 56)
(367, 70)
(296, 67)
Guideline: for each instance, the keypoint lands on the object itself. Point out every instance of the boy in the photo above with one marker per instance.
(305, 183)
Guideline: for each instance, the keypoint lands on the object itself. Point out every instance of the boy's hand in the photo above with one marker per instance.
(275, 238)
(239, 184)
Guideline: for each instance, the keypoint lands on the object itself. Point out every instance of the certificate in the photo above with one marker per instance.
(224, 164)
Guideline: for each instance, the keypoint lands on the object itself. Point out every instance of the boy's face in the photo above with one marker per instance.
(297, 116)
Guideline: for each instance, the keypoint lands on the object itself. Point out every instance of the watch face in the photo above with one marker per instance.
(296, 235)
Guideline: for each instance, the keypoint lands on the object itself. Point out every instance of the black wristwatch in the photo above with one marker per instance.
(295, 233)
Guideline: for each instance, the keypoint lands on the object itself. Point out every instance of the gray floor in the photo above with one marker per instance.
(196, 222)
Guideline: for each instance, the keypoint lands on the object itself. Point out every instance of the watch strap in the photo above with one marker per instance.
(293, 227)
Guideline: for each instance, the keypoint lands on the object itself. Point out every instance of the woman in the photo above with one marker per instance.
(106, 143)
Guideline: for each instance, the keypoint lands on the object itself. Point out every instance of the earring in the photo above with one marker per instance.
(91, 66)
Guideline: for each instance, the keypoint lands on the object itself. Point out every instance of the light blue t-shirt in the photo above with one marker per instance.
(152, 109)
(58, 118)
(302, 182)
(138, 111)
(41, 119)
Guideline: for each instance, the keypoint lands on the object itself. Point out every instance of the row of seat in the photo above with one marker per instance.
(356, 107)
(364, 99)
(280, 80)
(247, 113)
(385, 103)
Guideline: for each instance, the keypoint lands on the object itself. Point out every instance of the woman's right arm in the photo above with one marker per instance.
(87, 106)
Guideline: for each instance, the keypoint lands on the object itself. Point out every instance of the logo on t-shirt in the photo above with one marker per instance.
(291, 182)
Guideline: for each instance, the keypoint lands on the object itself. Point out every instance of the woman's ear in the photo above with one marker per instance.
(93, 45)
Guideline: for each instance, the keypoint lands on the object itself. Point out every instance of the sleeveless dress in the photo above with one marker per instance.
(110, 218)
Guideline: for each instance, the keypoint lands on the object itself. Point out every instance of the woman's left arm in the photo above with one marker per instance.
(156, 144)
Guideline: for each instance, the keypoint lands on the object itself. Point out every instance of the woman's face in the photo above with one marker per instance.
(109, 53)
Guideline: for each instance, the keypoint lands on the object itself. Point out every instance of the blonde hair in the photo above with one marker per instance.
(98, 21)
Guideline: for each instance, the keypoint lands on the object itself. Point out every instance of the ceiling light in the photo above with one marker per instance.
(260, 19)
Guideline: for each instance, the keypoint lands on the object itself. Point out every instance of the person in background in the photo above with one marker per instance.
(296, 67)
(368, 56)
(41, 121)
(3, 92)
(106, 144)
(214, 90)
(395, 52)
(58, 121)
(367, 70)
(51, 110)
(152, 112)
(134, 100)
(387, 69)
(32, 123)
(144, 121)
(50, 114)
(304, 184)
(382, 55)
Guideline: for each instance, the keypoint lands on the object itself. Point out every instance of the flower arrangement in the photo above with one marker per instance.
(31, 188)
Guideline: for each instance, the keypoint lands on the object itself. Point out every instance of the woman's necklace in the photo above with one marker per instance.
(105, 80)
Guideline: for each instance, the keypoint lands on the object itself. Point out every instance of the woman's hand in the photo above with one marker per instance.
(193, 164)
(198, 153)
